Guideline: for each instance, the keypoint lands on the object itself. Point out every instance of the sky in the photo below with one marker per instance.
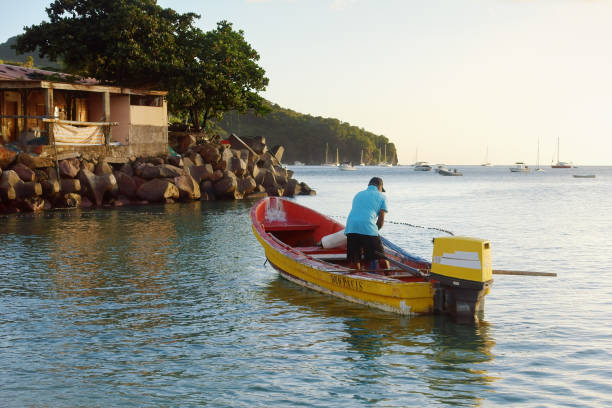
(447, 81)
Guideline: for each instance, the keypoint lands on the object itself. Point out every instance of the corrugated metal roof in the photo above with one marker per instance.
(17, 73)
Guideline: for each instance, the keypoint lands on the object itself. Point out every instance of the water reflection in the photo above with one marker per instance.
(102, 255)
(445, 359)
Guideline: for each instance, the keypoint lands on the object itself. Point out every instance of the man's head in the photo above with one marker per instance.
(377, 181)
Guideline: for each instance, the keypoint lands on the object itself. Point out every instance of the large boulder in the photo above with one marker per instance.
(207, 191)
(103, 168)
(175, 161)
(69, 186)
(210, 153)
(246, 185)
(139, 168)
(239, 144)
(161, 171)
(226, 185)
(41, 175)
(24, 172)
(226, 160)
(127, 169)
(127, 185)
(34, 162)
(269, 180)
(187, 162)
(158, 190)
(306, 190)
(156, 161)
(51, 187)
(238, 166)
(275, 191)
(94, 187)
(183, 143)
(278, 151)
(13, 187)
(196, 159)
(200, 173)
(10, 178)
(292, 188)
(281, 175)
(258, 144)
(69, 168)
(28, 189)
(188, 188)
(7, 157)
(217, 175)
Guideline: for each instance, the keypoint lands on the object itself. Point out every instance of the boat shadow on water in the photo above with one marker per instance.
(442, 342)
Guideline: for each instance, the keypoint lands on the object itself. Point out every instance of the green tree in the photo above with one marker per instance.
(124, 42)
(219, 73)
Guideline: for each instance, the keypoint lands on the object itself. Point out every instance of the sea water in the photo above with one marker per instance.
(175, 305)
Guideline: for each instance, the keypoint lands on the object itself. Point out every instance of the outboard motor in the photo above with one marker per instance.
(462, 275)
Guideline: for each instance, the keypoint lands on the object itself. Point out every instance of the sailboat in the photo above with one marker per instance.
(384, 163)
(361, 163)
(560, 164)
(486, 162)
(538, 168)
(326, 163)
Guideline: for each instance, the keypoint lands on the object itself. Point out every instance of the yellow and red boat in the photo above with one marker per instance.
(455, 282)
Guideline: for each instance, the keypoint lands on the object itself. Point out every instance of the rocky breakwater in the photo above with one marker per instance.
(229, 169)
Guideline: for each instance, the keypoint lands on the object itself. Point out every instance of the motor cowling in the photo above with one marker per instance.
(462, 274)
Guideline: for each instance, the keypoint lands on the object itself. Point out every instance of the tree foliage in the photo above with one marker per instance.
(123, 42)
(219, 73)
(305, 137)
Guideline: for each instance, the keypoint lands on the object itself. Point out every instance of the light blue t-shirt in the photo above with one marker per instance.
(367, 204)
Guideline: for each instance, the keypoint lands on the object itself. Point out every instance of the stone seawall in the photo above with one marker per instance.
(207, 170)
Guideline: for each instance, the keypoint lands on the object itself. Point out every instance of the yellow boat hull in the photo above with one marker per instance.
(392, 295)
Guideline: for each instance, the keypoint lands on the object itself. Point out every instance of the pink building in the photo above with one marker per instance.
(65, 113)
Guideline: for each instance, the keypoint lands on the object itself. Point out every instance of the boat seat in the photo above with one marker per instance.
(323, 253)
(289, 227)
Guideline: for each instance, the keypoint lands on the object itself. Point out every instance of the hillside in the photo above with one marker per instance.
(305, 137)
(7, 54)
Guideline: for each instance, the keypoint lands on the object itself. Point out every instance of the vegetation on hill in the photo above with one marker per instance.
(306, 137)
(9, 56)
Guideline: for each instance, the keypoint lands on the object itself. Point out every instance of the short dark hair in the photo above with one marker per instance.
(376, 181)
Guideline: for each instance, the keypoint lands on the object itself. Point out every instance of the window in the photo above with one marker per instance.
(146, 100)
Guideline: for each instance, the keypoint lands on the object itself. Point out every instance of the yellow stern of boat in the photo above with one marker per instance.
(462, 258)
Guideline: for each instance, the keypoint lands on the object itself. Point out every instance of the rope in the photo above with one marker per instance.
(408, 224)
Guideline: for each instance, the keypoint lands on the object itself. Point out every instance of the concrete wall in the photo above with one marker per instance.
(149, 115)
(148, 140)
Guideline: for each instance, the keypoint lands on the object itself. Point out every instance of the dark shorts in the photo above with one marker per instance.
(366, 245)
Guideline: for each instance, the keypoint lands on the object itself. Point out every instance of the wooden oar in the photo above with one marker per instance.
(417, 272)
(522, 273)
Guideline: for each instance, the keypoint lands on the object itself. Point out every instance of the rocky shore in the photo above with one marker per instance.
(207, 170)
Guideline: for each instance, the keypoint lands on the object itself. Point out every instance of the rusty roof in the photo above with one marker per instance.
(18, 73)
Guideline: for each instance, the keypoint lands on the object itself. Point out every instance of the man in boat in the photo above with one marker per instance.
(367, 216)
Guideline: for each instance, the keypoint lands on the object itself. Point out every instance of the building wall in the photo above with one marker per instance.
(148, 140)
(120, 112)
(149, 115)
(11, 105)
